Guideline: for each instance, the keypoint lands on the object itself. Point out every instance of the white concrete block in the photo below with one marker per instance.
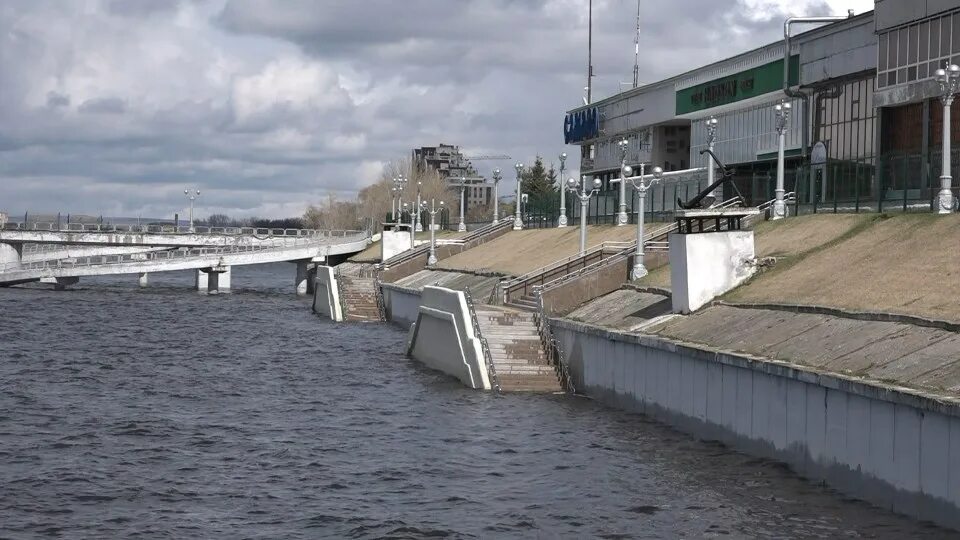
(393, 243)
(706, 265)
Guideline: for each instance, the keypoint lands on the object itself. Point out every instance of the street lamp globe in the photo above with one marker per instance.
(597, 183)
(572, 183)
(563, 155)
(187, 191)
(627, 170)
(658, 172)
(496, 172)
(954, 69)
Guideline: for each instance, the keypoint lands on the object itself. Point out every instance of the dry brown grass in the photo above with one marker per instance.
(519, 252)
(904, 264)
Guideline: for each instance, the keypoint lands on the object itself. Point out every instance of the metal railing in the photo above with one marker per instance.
(487, 357)
(378, 293)
(159, 256)
(551, 347)
(174, 229)
(411, 254)
(628, 251)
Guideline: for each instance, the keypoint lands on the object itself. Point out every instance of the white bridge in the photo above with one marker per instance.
(61, 255)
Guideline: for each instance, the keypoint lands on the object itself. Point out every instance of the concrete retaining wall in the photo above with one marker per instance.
(326, 294)
(443, 338)
(401, 304)
(893, 448)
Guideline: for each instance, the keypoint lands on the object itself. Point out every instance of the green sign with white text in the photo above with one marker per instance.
(733, 88)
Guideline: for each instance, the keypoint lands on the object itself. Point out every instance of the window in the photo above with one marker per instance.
(915, 51)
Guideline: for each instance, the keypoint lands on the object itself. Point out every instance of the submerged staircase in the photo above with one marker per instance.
(516, 350)
(360, 298)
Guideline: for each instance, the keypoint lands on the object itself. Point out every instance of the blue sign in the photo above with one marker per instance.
(581, 125)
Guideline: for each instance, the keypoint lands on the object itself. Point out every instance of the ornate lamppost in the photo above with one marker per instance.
(517, 220)
(432, 259)
(496, 195)
(562, 220)
(641, 184)
(579, 190)
(418, 227)
(711, 125)
(782, 120)
(393, 202)
(192, 196)
(624, 144)
(399, 182)
(462, 226)
(949, 79)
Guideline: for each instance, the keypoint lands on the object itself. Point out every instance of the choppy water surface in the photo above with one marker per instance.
(166, 413)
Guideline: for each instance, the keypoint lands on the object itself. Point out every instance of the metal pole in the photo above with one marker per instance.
(584, 200)
(496, 195)
(413, 232)
(418, 227)
(946, 179)
(949, 78)
(622, 214)
(711, 139)
(562, 219)
(462, 227)
(517, 220)
(432, 258)
(639, 270)
(782, 117)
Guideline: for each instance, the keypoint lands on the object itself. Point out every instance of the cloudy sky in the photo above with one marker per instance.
(113, 107)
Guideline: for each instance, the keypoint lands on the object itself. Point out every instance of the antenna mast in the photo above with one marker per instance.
(636, 51)
(590, 52)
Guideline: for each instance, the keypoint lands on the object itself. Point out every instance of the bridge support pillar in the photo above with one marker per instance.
(60, 283)
(302, 276)
(143, 279)
(11, 256)
(311, 279)
(215, 279)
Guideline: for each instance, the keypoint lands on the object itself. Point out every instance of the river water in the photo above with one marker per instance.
(164, 413)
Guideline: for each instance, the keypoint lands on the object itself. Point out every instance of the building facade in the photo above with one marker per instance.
(865, 129)
(451, 165)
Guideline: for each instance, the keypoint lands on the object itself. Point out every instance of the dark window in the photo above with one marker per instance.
(935, 38)
(912, 73)
(882, 54)
(912, 45)
(901, 75)
(956, 32)
(945, 36)
(922, 71)
(892, 50)
(924, 41)
(902, 47)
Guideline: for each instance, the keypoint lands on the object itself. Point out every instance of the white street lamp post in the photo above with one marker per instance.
(192, 197)
(496, 195)
(949, 79)
(562, 220)
(398, 183)
(584, 196)
(517, 220)
(641, 184)
(413, 235)
(711, 167)
(432, 259)
(462, 226)
(418, 227)
(782, 119)
(622, 214)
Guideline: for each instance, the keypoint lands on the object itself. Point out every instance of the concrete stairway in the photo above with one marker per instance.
(359, 298)
(526, 302)
(518, 357)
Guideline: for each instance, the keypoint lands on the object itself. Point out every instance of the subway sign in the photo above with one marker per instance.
(581, 125)
(732, 88)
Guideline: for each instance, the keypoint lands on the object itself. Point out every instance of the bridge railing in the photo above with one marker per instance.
(162, 256)
(174, 229)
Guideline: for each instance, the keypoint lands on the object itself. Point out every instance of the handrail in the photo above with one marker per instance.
(412, 253)
(167, 255)
(551, 347)
(173, 229)
(484, 346)
(378, 293)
